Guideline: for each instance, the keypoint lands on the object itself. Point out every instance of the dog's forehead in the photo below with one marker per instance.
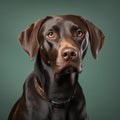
(62, 20)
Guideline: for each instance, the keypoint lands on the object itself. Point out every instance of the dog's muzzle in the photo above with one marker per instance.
(68, 61)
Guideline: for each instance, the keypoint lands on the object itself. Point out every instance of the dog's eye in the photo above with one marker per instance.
(52, 35)
(79, 34)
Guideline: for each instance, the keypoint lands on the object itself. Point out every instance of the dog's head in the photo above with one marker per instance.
(62, 41)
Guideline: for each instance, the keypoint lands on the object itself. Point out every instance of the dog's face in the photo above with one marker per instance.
(62, 41)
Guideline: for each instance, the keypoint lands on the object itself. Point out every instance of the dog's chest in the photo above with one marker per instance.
(59, 114)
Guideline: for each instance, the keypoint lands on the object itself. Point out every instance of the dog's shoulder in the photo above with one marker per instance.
(29, 84)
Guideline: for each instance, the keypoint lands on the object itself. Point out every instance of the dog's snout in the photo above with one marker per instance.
(69, 54)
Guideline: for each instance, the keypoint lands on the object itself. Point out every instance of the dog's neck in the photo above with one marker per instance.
(52, 84)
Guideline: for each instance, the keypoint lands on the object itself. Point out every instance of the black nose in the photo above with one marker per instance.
(69, 54)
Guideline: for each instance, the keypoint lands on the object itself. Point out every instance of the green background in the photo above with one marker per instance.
(100, 79)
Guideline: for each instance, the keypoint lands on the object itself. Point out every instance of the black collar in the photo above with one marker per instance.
(61, 104)
(55, 104)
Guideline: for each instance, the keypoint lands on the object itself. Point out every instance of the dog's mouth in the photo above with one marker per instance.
(68, 68)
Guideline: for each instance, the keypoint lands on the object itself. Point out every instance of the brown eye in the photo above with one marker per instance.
(79, 34)
(52, 35)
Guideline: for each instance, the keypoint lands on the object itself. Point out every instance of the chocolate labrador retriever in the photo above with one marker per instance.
(52, 91)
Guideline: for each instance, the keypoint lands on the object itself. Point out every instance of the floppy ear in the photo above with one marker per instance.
(28, 38)
(96, 38)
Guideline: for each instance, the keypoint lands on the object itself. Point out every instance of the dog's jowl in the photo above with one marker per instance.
(52, 91)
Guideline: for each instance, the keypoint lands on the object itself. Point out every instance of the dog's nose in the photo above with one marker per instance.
(69, 54)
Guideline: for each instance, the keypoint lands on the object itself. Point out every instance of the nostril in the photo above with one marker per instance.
(65, 54)
(73, 54)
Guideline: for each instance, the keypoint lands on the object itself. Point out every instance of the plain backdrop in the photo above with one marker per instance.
(100, 78)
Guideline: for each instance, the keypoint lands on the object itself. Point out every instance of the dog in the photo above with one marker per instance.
(52, 91)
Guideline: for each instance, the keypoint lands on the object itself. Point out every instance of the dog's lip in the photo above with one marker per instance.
(69, 68)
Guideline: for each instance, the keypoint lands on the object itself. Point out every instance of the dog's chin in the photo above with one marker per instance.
(69, 69)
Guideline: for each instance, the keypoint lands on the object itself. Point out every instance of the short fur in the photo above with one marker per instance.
(52, 91)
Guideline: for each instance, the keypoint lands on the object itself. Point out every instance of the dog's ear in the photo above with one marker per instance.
(96, 37)
(28, 38)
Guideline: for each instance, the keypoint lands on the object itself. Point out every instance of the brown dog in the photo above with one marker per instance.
(52, 91)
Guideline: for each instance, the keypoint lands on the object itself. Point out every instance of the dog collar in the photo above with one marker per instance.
(40, 90)
(61, 104)
(55, 104)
